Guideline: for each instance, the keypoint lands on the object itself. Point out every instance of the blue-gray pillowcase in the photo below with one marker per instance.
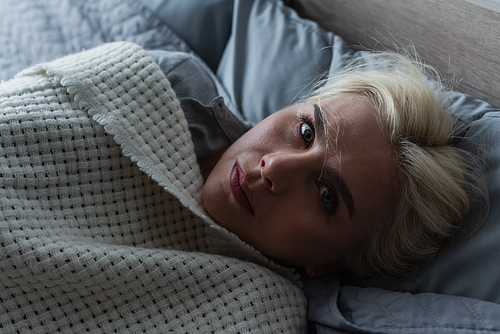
(273, 55)
(205, 25)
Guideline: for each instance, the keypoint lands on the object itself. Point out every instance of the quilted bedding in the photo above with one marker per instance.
(34, 31)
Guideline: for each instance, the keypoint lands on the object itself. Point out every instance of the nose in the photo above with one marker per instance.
(281, 170)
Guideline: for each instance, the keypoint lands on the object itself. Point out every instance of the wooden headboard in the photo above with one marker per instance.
(460, 38)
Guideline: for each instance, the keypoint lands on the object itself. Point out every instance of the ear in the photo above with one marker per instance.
(323, 269)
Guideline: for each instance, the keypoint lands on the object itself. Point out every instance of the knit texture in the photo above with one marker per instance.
(102, 227)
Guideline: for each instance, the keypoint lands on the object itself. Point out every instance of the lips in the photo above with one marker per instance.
(239, 188)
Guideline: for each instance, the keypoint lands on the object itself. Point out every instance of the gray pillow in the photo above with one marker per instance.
(273, 55)
(204, 25)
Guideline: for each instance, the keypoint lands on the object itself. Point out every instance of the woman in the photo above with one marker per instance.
(102, 223)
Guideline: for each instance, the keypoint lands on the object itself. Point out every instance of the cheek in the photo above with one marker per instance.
(293, 228)
(301, 246)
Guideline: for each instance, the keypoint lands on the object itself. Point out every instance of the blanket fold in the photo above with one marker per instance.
(102, 226)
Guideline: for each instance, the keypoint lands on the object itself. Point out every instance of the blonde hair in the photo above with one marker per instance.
(432, 175)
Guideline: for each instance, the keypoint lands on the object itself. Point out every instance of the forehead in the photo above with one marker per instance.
(350, 113)
(351, 123)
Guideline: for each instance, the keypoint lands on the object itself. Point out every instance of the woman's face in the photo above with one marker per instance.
(302, 196)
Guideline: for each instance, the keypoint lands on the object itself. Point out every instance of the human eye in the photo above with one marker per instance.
(328, 198)
(306, 129)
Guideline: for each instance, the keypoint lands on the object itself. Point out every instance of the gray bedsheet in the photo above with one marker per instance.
(347, 309)
(34, 31)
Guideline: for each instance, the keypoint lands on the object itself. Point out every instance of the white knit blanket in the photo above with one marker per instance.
(102, 227)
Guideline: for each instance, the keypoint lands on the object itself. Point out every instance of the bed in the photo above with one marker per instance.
(260, 55)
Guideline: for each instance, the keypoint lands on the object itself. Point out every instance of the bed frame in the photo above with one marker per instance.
(460, 38)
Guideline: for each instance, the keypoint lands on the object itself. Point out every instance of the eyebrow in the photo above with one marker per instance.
(335, 176)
